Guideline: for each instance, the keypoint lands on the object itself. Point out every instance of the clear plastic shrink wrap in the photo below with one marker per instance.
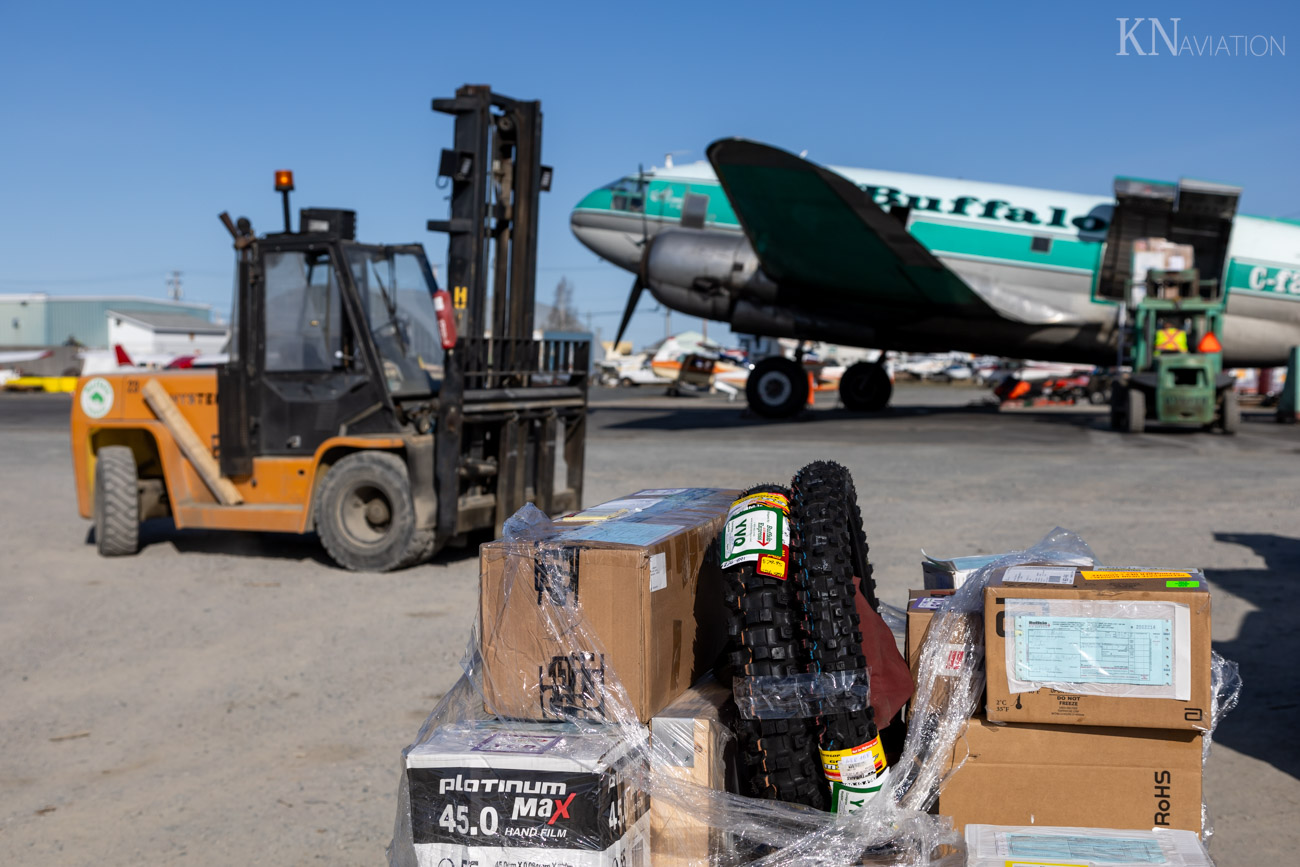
(598, 732)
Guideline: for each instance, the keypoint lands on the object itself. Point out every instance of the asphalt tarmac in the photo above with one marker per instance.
(235, 699)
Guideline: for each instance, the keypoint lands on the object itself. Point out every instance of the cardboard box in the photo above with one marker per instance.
(1021, 846)
(510, 793)
(693, 733)
(1067, 646)
(921, 605)
(952, 573)
(652, 617)
(1093, 776)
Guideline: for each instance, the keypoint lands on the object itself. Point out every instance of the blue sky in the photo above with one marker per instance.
(127, 127)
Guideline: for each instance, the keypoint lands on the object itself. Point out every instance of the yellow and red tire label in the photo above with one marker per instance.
(859, 766)
(758, 531)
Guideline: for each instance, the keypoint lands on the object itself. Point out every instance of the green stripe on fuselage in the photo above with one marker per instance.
(977, 242)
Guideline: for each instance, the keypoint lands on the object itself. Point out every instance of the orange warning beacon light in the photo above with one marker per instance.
(283, 186)
(1209, 343)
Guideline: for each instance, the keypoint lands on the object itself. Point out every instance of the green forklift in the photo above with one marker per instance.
(1163, 235)
(1177, 377)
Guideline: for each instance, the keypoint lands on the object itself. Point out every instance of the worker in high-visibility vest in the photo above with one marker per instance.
(1171, 338)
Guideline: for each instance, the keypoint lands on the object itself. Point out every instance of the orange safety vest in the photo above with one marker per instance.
(1171, 340)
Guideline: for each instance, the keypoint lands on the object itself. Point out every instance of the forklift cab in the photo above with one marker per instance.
(331, 338)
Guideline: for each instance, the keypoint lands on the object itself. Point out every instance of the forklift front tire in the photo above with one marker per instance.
(1136, 414)
(1231, 419)
(364, 514)
(117, 502)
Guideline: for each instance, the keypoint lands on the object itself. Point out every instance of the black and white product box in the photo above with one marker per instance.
(494, 794)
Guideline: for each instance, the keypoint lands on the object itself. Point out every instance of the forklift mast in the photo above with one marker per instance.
(514, 404)
(496, 179)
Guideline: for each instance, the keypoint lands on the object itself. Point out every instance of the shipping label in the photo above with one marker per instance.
(1131, 575)
(1093, 650)
(1097, 850)
(1039, 575)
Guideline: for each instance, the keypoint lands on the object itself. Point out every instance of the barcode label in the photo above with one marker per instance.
(1039, 575)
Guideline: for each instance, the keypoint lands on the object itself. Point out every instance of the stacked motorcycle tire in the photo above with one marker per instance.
(800, 618)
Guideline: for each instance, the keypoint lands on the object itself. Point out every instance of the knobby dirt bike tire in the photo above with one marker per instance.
(827, 550)
(767, 636)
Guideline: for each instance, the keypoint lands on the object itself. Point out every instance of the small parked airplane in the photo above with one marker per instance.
(779, 246)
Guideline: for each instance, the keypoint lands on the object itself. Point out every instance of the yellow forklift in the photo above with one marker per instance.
(359, 400)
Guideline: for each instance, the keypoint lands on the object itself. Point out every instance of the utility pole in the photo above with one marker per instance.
(174, 291)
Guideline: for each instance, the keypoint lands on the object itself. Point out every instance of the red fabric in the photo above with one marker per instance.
(891, 680)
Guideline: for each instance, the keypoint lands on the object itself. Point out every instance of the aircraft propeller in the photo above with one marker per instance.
(632, 298)
(638, 285)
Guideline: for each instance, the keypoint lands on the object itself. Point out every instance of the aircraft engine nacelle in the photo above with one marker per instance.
(704, 261)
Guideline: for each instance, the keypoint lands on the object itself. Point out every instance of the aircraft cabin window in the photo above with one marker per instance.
(1041, 245)
(628, 195)
(627, 202)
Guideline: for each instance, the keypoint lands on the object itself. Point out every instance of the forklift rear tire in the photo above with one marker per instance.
(364, 514)
(865, 387)
(1135, 420)
(117, 502)
(777, 387)
(1231, 420)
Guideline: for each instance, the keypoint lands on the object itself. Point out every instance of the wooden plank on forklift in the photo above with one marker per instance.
(191, 446)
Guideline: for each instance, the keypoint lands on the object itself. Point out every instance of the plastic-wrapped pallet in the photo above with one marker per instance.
(893, 828)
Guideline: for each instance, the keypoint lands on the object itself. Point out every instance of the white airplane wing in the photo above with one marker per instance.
(20, 356)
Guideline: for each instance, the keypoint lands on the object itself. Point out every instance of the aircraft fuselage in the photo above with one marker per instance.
(1032, 255)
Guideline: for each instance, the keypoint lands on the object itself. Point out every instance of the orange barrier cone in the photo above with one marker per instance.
(812, 388)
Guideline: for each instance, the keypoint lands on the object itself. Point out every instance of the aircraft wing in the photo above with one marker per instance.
(22, 355)
(814, 229)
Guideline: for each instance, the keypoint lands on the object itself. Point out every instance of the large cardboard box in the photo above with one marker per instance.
(649, 597)
(1068, 646)
(527, 793)
(693, 736)
(1093, 776)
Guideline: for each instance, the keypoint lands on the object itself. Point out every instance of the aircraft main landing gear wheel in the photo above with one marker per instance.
(865, 387)
(777, 387)
(365, 517)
